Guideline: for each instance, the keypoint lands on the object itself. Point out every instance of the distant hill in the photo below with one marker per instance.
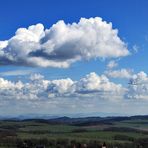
(93, 120)
(83, 121)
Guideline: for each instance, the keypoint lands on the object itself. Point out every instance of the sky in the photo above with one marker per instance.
(73, 57)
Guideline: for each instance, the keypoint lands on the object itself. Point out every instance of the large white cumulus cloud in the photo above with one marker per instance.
(62, 44)
(95, 83)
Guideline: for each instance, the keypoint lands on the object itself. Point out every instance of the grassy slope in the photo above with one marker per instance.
(37, 130)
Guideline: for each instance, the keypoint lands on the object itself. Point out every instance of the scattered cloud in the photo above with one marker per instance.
(38, 88)
(62, 44)
(16, 73)
(92, 93)
(90, 86)
(136, 48)
(112, 64)
(122, 73)
(138, 87)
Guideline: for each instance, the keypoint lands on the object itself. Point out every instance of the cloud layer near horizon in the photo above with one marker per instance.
(92, 93)
(90, 86)
(62, 44)
(38, 88)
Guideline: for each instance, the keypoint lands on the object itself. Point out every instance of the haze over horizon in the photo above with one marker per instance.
(73, 57)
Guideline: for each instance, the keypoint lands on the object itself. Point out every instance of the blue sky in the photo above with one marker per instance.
(128, 17)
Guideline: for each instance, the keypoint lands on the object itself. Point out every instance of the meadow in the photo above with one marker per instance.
(57, 133)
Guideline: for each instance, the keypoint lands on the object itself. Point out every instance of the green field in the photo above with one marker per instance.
(127, 133)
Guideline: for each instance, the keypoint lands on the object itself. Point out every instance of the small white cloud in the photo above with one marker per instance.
(112, 64)
(36, 76)
(61, 86)
(136, 48)
(122, 73)
(138, 87)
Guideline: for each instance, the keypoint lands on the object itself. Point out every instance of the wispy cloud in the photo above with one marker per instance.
(16, 73)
